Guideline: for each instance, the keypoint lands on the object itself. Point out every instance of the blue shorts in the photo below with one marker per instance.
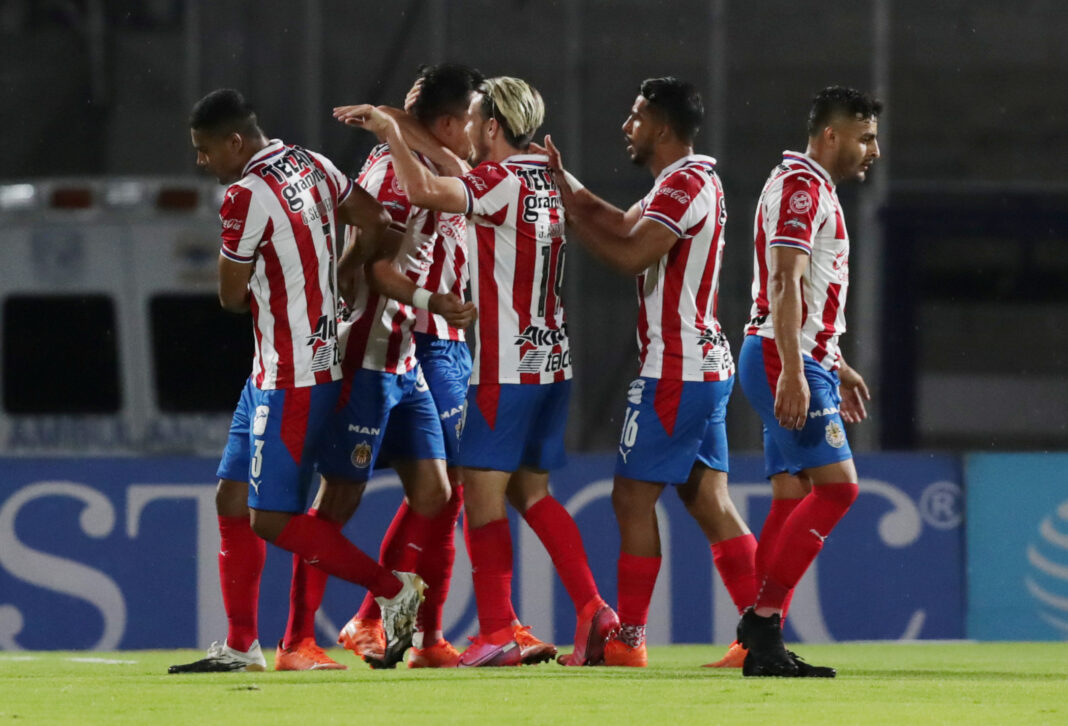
(273, 440)
(446, 365)
(671, 425)
(823, 440)
(380, 414)
(512, 425)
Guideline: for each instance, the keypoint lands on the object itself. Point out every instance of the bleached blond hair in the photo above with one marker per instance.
(516, 105)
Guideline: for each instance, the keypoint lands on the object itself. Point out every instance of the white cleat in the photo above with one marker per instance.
(398, 619)
(222, 658)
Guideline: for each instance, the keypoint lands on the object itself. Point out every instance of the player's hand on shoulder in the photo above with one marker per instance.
(457, 313)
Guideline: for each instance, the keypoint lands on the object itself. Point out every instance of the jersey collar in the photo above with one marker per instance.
(806, 160)
(272, 149)
(707, 161)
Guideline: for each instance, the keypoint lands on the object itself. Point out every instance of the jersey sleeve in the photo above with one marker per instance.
(677, 202)
(791, 216)
(489, 188)
(381, 182)
(339, 180)
(244, 223)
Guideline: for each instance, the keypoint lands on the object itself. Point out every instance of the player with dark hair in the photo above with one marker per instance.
(280, 216)
(790, 365)
(674, 430)
(517, 404)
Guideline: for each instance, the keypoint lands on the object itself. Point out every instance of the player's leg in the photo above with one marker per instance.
(787, 491)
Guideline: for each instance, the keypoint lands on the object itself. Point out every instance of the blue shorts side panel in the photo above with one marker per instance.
(513, 425)
(446, 365)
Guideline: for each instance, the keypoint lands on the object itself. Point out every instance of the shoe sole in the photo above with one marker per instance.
(489, 661)
(538, 655)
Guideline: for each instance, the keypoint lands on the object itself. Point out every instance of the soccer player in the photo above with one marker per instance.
(280, 218)
(674, 430)
(517, 403)
(389, 406)
(791, 368)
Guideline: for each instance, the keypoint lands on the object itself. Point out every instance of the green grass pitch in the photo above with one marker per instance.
(879, 683)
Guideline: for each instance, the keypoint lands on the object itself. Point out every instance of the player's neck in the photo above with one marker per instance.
(253, 146)
(824, 158)
(664, 155)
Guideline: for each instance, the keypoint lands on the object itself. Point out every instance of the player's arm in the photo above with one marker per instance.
(363, 211)
(624, 240)
(386, 278)
(421, 140)
(854, 392)
(233, 284)
(423, 188)
(786, 267)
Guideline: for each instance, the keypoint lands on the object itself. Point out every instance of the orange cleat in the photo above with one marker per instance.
(734, 657)
(618, 653)
(596, 624)
(531, 649)
(305, 656)
(436, 655)
(365, 638)
(484, 652)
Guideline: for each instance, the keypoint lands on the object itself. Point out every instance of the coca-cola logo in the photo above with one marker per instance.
(677, 194)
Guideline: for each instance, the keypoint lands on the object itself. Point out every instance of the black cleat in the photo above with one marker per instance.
(767, 656)
(806, 670)
(223, 659)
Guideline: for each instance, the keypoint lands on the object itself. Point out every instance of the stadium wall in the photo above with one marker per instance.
(120, 553)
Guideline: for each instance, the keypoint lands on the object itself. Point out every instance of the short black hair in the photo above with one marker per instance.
(447, 89)
(840, 101)
(222, 112)
(677, 102)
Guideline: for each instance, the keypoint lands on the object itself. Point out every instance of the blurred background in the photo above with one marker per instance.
(112, 341)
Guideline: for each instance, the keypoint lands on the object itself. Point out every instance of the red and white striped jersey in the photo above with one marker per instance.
(280, 217)
(679, 337)
(799, 208)
(440, 265)
(517, 272)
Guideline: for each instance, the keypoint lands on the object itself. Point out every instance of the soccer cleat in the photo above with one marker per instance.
(531, 649)
(222, 658)
(483, 652)
(596, 624)
(762, 637)
(363, 637)
(618, 653)
(805, 670)
(733, 658)
(436, 655)
(398, 619)
(305, 656)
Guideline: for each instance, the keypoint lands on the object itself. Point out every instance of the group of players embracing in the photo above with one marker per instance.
(458, 197)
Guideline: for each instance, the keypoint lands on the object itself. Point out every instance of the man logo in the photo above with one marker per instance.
(361, 455)
(835, 435)
(800, 202)
(259, 424)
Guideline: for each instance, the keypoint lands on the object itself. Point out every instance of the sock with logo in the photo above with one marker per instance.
(305, 594)
(491, 571)
(321, 543)
(435, 563)
(241, 558)
(735, 560)
(635, 580)
(802, 539)
(560, 536)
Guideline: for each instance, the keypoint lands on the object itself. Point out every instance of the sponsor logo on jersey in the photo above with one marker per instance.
(534, 335)
(259, 423)
(678, 195)
(818, 412)
(542, 361)
(535, 202)
(476, 183)
(841, 265)
(835, 435)
(368, 430)
(234, 224)
(795, 223)
(634, 393)
(710, 336)
(800, 202)
(361, 455)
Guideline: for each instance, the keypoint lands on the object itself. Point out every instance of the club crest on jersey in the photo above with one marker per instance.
(800, 202)
(259, 423)
(361, 455)
(634, 393)
(835, 435)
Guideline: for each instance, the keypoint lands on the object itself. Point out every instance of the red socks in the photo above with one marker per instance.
(322, 545)
(636, 578)
(491, 569)
(560, 535)
(769, 541)
(801, 539)
(305, 594)
(435, 564)
(241, 558)
(396, 552)
(735, 560)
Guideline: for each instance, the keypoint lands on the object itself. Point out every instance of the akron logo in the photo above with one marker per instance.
(800, 202)
(361, 455)
(1047, 580)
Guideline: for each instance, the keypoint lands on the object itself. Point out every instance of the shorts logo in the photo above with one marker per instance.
(800, 202)
(368, 430)
(634, 393)
(835, 435)
(817, 412)
(420, 381)
(361, 455)
(259, 424)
